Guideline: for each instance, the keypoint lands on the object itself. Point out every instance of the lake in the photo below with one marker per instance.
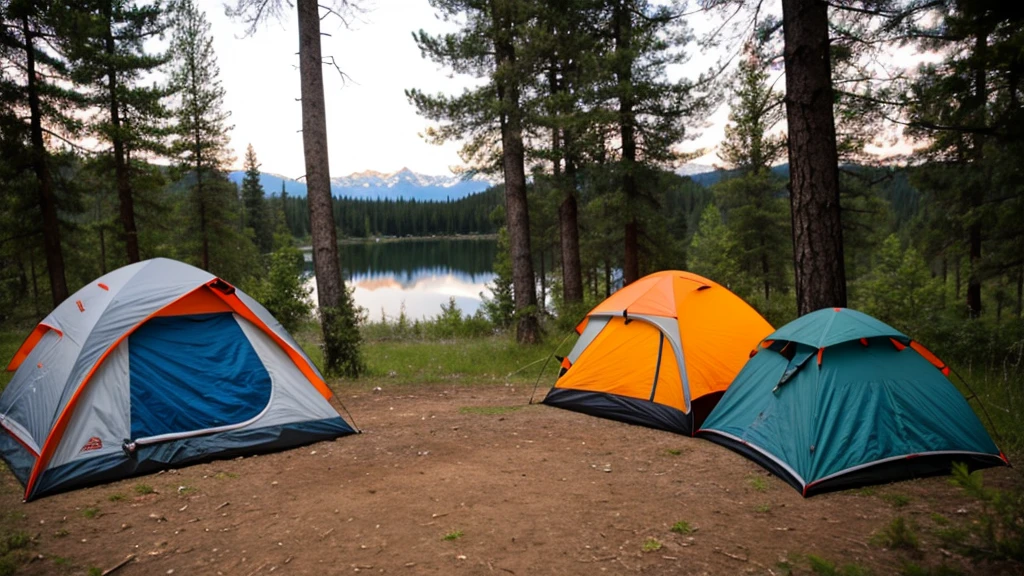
(421, 274)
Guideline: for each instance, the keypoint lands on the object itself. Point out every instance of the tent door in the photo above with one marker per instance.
(193, 375)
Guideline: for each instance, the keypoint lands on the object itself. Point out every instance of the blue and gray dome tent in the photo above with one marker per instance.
(837, 399)
(156, 364)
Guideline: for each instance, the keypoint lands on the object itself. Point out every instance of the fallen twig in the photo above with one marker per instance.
(222, 505)
(325, 534)
(122, 564)
(258, 568)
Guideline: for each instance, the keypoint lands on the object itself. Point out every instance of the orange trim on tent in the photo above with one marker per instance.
(899, 345)
(929, 356)
(820, 352)
(864, 341)
(30, 343)
(202, 301)
(566, 363)
(232, 301)
(104, 286)
(57, 432)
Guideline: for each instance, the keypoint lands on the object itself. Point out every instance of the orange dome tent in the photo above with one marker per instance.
(660, 352)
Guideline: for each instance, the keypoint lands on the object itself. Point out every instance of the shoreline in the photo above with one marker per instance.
(395, 239)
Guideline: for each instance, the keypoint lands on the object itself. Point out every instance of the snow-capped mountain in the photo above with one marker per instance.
(373, 185)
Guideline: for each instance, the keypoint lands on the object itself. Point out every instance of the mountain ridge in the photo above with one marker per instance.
(373, 185)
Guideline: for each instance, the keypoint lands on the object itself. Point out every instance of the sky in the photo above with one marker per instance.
(370, 123)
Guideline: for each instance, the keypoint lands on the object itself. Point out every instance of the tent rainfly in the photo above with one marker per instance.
(658, 352)
(155, 365)
(837, 399)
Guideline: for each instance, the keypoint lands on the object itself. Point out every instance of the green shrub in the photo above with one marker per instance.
(999, 527)
(282, 291)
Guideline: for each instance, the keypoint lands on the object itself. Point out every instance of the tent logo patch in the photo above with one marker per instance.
(94, 443)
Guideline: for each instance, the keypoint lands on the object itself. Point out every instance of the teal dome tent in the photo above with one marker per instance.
(837, 399)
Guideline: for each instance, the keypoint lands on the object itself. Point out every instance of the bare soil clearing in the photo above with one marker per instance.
(470, 480)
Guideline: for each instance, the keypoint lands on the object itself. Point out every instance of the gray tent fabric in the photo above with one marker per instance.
(66, 415)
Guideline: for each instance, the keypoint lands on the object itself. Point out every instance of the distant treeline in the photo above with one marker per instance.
(480, 213)
(368, 218)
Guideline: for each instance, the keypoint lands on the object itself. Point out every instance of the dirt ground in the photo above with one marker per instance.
(471, 480)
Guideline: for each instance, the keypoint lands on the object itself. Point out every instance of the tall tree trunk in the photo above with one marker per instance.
(124, 190)
(813, 159)
(35, 282)
(1020, 292)
(572, 273)
(627, 134)
(976, 191)
(513, 164)
(47, 197)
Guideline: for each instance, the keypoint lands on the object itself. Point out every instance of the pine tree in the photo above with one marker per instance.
(201, 135)
(39, 101)
(754, 202)
(651, 111)
(257, 215)
(110, 59)
(490, 118)
(712, 251)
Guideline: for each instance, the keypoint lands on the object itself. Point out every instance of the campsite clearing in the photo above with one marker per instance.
(447, 480)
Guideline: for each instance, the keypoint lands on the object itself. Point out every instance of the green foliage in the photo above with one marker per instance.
(282, 290)
(758, 482)
(500, 308)
(143, 489)
(14, 551)
(898, 534)
(899, 290)
(651, 545)
(896, 500)
(712, 252)
(256, 210)
(999, 529)
(823, 567)
(115, 497)
(342, 340)
(913, 569)
(453, 535)
(763, 508)
(91, 512)
(683, 527)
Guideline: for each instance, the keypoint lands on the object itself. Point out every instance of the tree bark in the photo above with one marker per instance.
(314, 144)
(572, 273)
(47, 197)
(124, 190)
(513, 164)
(627, 134)
(820, 275)
(976, 192)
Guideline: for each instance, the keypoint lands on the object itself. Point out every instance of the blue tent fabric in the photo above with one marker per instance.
(193, 373)
(867, 412)
(830, 326)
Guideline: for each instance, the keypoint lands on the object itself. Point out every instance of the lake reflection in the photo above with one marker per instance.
(419, 274)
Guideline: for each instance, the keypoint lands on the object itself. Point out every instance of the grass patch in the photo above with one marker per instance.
(61, 533)
(494, 358)
(225, 476)
(823, 567)
(673, 451)
(488, 410)
(453, 535)
(939, 519)
(757, 482)
(652, 545)
(14, 552)
(763, 508)
(897, 535)
(116, 497)
(912, 569)
(91, 512)
(896, 500)
(94, 571)
(683, 527)
(143, 489)
(867, 491)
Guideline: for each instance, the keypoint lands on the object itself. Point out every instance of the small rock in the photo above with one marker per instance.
(460, 557)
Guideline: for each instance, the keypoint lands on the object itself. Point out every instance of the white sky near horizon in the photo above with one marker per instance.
(370, 123)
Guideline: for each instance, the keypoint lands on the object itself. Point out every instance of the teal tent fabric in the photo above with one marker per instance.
(869, 412)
